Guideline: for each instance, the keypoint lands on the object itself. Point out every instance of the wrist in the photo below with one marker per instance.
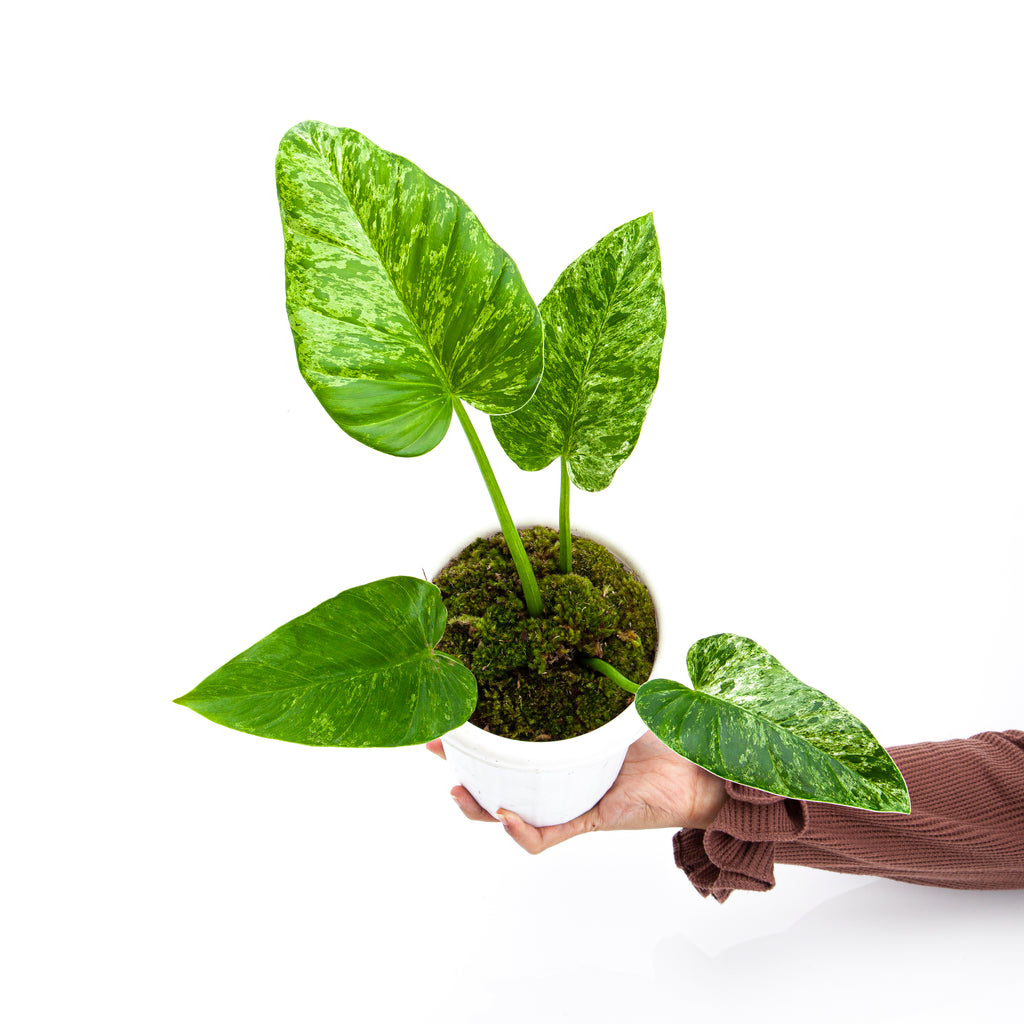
(709, 799)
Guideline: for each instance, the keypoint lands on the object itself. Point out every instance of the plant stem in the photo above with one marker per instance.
(564, 534)
(531, 592)
(612, 673)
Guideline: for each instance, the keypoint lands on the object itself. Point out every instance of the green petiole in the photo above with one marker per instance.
(531, 592)
(564, 533)
(612, 673)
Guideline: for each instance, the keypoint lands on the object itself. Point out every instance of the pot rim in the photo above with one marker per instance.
(593, 746)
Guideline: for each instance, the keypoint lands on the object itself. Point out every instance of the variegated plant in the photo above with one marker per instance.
(402, 309)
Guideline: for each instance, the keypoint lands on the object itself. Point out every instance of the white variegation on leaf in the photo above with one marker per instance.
(751, 721)
(359, 670)
(399, 300)
(604, 324)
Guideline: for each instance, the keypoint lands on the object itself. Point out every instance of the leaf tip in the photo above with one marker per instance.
(647, 222)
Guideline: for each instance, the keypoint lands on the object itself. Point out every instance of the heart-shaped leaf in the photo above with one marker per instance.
(604, 323)
(398, 298)
(358, 670)
(751, 721)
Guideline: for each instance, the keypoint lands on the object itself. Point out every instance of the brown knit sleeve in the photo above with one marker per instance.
(965, 829)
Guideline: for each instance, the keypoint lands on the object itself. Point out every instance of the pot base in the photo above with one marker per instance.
(544, 783)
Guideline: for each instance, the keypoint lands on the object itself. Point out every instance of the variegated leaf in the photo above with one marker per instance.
(604, 323)
(749, 720)
(397, 297)
(359, 670)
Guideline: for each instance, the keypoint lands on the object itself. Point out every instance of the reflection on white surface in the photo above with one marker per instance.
(880, 952)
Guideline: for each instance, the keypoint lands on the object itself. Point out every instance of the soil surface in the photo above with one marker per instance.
(531, 686)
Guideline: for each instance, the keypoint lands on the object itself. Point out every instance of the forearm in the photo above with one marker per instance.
(965, 829)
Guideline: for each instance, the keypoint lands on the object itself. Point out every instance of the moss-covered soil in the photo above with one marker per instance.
(530, 684)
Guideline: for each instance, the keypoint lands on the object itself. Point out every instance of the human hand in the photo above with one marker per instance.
(655, 788)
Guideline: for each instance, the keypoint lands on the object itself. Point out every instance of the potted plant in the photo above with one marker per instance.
(402, 309)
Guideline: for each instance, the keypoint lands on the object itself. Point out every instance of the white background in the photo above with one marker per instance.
(832, 465)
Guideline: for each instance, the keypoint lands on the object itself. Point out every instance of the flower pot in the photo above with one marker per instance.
(549, 782)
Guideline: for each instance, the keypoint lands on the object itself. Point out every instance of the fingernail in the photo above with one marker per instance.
(505, 821)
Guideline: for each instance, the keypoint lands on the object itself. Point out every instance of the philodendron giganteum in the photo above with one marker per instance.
(404, 311)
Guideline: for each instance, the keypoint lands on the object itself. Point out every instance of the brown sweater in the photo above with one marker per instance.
(965, 829)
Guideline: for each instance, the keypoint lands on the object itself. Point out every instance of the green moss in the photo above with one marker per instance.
(531, 686)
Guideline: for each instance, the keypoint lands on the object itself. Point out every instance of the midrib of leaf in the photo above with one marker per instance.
(448, 250)
(384, 270)
(577, 398)
(376, 651)
(309, 684)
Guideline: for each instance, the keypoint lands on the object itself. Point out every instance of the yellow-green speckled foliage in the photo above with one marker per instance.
(604, 324)
(750, 720)
(398, 298)
(359, 670)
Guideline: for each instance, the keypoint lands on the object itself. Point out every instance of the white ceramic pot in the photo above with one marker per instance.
(545, 783)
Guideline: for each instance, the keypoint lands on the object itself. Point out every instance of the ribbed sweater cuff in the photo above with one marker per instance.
(966, 830)
(729, 855)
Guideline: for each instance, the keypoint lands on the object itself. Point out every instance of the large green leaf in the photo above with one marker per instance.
(751, 721)
(604, 323)
(398, 298)
(358, 670)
